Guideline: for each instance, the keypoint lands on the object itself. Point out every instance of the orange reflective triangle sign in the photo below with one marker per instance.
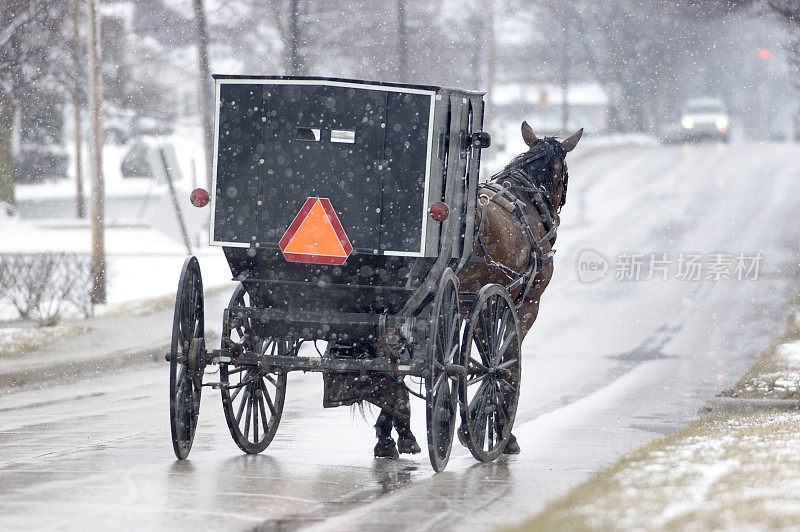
(316, 235)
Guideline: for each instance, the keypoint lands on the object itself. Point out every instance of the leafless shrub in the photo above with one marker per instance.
(41, 285)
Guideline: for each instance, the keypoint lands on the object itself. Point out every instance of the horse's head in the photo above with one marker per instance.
(544, 164)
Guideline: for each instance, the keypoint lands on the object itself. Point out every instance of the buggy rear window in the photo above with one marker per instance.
(309, 134)
(343, 135)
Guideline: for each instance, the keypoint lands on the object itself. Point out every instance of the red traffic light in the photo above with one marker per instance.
(764, 54)
(199, 197)
(440, 211)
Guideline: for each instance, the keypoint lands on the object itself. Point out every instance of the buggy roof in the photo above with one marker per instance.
(347, 80)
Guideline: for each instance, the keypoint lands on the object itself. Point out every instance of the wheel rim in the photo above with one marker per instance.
(252, 399)
(187, 344)
(488, 397)
(442, 387)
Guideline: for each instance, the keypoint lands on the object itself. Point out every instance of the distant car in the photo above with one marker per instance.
(705, 118)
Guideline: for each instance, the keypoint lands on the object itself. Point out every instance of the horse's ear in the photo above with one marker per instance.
(528, 135)
(570, 142)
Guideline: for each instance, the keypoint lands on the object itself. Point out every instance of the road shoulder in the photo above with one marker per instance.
(738, 465)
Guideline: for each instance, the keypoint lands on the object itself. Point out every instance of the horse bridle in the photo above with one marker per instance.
(526, 183)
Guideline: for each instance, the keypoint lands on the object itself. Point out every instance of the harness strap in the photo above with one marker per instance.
(501, 195)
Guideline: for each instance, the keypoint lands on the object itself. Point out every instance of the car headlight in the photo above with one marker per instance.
(722, 123)
(687, 123)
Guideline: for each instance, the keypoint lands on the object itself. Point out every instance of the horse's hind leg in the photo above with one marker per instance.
(385, 448)
(406, 442)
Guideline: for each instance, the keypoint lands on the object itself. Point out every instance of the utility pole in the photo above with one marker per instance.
(98, 186)
(294, 36)
(76, 104)
(402, 42)
(206, 98)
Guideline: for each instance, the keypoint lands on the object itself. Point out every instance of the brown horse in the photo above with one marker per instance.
(507, 249)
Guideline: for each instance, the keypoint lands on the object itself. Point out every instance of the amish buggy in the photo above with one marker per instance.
(350, 212)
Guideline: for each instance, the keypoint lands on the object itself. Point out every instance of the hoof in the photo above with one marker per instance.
(512, 447)
(385, 448)
(408, 444)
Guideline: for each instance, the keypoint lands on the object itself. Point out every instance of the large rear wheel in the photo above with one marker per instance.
(444, 359)
(488, 396)
(252, 399)
(186, 358)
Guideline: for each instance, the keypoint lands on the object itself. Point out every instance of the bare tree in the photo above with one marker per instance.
(15, 17)
(76, 104)
(98, 186)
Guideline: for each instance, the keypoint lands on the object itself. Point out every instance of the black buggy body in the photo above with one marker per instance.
(382, 155)
(345, 210)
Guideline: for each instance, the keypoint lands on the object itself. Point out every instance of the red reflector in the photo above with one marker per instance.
(440, 211)
(199, 197)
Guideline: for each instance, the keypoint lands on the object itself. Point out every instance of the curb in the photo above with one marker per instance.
(736, 405)
(78, 369)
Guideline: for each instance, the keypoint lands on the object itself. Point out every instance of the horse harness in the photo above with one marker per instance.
(499, 190)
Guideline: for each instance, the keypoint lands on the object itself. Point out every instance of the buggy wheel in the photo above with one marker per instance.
(488, 396)
(252, 399)
(441, 384)
(186, 358)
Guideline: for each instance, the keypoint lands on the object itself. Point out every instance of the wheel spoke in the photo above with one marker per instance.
(501, 403)
(249, 410)
(453, 353)
(504, 347)
(502, 410)
(480, 424)
(478, 341)
(508, 363)
(508, 386)
(242, 404)
(490, 430)
(269, 403)
(438, 382)
(263, 411)
(486, 328)
(256, 398)
(477, 365)
(476, 379)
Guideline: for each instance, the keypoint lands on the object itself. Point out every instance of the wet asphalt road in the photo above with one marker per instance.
(608, 366)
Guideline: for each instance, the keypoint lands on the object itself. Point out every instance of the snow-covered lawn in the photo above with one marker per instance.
(143, 267)
(731, 473)
(776, 373)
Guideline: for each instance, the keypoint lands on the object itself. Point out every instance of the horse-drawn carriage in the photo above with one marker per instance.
(346, 210)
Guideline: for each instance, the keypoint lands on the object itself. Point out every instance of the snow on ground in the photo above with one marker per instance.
(776, 373)
(142, 263)
(719, 473)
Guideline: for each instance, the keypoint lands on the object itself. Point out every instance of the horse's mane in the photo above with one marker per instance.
(537, 162)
